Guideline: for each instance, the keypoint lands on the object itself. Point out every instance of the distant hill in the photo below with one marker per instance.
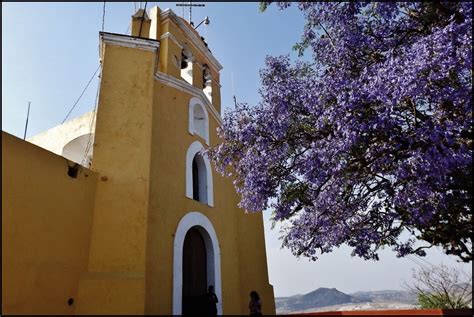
(385, 296)
(332, 298)
(317, 298)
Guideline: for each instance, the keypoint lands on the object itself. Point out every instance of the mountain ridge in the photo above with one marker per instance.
(331, 297)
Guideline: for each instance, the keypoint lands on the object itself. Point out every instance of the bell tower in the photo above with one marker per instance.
(165, 226)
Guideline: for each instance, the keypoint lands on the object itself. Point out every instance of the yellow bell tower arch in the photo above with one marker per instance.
(165, 225)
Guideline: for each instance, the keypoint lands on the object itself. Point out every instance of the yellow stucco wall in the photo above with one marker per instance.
(46, 220)
(240, 235)
(253, 262)
(168, 204)
(122, 156)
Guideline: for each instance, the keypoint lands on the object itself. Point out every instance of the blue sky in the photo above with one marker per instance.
(50, 51)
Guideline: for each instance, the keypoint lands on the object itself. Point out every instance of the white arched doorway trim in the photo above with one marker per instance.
(194, 149)
(193, 103)
(213, 256)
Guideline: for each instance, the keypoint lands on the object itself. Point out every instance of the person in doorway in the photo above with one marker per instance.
(211, 301)
(255, 304)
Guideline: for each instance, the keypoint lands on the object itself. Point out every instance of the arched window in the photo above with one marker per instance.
(195, 180)
(207, 82)
(199, 179)
(199, 175)
(198, 119)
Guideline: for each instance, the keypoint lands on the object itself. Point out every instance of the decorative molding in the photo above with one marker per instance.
(213, 255)
(190, 89)
(197, 42)
(193, 149)
(129, 41)
(172, 37)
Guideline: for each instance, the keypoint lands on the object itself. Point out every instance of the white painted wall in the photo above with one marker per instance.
(208, 91)
(68, 139)
(75, 150)
(187, 73)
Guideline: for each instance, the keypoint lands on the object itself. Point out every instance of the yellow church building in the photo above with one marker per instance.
(119, 211)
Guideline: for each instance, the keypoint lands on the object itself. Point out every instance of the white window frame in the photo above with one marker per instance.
(196, 102)
(193, 149)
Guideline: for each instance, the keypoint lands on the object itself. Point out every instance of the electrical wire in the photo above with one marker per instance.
(82, 93)
(426, 261)
(143, 18)
(91, 124)
(134, 11)
(414, 260)
(128, 28)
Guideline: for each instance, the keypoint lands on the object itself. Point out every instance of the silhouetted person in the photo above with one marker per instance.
(211, 301)
(255, 304)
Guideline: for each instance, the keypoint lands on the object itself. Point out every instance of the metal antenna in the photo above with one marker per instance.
(190, 5)
(233, 90)
(27, 116)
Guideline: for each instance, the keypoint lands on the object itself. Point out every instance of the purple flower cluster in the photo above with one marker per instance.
(372, 139)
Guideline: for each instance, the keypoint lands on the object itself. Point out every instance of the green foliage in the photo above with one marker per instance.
(441, 301)
(442, 287)
(432, 301)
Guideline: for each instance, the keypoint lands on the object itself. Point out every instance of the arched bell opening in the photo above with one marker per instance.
(187, 65)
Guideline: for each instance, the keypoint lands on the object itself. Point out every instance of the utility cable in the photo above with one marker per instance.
(143, 18)
(82, 93)
(91, 125)
(134, 11)
(426, 261)
(414, 260)
(128, 28)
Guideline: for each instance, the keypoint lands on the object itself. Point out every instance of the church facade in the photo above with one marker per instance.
(129, 217)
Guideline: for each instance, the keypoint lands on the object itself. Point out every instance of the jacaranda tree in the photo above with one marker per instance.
(370, 139)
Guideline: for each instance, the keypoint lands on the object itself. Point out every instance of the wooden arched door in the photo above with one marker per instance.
(194, 274)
